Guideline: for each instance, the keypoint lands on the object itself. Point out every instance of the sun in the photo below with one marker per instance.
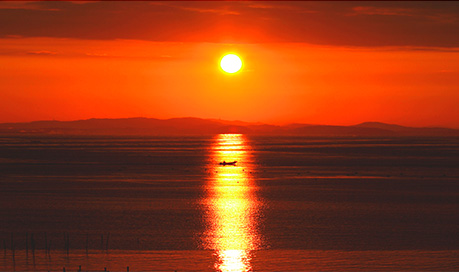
(231, 63)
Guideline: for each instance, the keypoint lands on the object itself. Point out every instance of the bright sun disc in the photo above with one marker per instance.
(231, 63)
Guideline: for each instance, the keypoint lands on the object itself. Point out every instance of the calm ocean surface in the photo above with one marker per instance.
(290, 203)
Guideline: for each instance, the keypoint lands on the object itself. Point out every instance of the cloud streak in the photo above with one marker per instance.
(368, 10)
(42, 52)
(25, 5)
(418, 24)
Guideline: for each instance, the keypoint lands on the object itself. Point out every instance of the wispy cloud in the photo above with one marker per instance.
(112, 55)
(217, 11)
(278, 7)
(42, 52)
(24, 5)
(428, 24)
(411, 12)
(82, 2)
(444, 18)
(368, 10)
(220, 11)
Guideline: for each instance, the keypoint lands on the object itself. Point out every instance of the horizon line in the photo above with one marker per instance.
(227, 120)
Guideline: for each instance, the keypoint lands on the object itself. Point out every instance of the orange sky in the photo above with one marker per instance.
(68, 78)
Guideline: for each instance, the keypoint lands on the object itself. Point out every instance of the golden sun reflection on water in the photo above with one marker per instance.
(234, 209)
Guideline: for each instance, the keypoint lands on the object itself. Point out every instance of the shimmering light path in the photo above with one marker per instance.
(233, 207)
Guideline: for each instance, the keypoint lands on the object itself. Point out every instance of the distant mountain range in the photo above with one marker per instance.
(197, 126)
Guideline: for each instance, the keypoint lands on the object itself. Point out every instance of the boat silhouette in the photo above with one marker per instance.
(228, 163)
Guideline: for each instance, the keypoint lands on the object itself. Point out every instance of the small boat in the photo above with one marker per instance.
(228, 163)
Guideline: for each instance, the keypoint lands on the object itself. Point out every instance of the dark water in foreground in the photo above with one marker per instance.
(290, 203)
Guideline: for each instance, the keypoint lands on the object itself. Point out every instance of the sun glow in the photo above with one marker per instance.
(231, 63)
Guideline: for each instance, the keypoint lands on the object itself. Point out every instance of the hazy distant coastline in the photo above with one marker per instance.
(196, 126)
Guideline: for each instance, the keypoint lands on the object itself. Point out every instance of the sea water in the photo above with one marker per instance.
(289, 203)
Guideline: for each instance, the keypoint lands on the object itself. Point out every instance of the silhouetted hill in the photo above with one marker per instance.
(411, 131)
(124, 126)
(197, 126)
(382, 126)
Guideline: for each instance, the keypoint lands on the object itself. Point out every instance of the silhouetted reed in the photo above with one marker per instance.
(102, 242)
(32, 244)
(106, 245)
(87, 241)
(46, 243)
(12, 246)
(68, 243)
(49, 248)
(27, 243)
